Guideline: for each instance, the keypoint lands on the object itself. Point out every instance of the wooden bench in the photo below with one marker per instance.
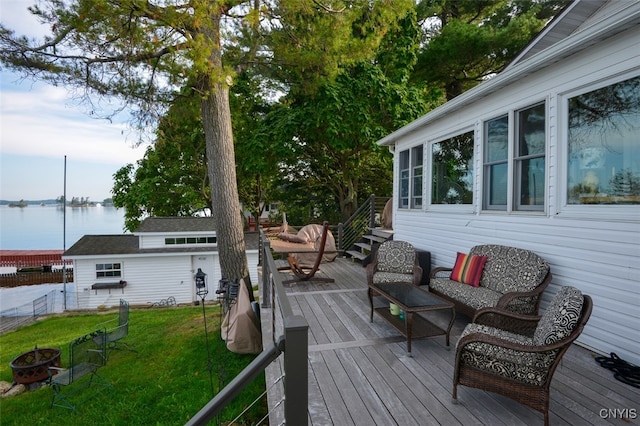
(109, 285)
(86, 355)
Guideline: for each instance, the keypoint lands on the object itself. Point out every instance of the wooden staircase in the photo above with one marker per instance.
(360, 235)
(362, 249)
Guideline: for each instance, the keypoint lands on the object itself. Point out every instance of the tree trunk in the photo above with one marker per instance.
(227, 213)
(221, 164)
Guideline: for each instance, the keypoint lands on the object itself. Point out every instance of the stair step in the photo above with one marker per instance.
(363, 245)
(356, 254)
(384, 233)
(375, 238)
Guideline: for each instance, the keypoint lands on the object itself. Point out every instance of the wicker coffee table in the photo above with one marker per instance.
(411, 299)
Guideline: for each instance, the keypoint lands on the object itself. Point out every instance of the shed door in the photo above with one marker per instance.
(208, 264)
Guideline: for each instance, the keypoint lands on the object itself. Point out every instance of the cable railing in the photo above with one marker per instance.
(366, 217)
(289, 338)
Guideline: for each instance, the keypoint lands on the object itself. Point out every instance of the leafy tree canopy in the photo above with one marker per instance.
(467, 41)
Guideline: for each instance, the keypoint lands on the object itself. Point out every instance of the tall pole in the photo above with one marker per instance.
(64, 234)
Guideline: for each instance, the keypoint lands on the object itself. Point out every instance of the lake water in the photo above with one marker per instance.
(41, 227)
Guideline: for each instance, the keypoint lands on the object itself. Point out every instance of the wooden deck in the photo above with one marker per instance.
(360, 373)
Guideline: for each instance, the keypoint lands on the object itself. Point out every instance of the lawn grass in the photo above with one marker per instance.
(165, 382)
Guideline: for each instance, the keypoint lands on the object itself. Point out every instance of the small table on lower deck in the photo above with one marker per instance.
(411, 299)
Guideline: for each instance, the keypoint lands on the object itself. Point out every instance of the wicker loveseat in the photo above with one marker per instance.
(512, 279)
(516, 355)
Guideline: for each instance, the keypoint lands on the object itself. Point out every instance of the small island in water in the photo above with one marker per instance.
(74, 202)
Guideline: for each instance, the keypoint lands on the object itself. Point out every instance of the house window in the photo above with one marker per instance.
(496, 151)
(411, 178)
(108, 270)
(603, 148)
(452, 170)
(529, 158)
(522, 167)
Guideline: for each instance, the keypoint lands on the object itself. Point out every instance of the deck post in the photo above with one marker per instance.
(265, 247)
(296, 370)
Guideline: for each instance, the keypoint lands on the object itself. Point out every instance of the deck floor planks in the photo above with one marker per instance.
(438, 364)
(359, 371)
(386, 390)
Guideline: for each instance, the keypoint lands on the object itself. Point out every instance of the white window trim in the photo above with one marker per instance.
(428, 172)
(511, 116)
(399, 178)
(607, 212)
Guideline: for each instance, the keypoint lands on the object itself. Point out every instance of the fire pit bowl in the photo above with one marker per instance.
(33, 366)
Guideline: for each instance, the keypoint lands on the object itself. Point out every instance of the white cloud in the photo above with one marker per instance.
(40, 124)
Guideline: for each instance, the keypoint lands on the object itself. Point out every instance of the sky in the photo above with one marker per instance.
(41, 124)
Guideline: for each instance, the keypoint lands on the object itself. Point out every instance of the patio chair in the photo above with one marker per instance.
(395, 261)
(515, 355)
(115, 334)
(86, 355)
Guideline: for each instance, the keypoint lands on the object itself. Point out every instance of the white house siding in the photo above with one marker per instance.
(252, 260)
(594, 248)
(150, 278)
(152, 240)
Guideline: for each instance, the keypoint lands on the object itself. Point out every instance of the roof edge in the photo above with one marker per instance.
(621, 20)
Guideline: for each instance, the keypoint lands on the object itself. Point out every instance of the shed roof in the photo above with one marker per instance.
(127, 244)
(176, 224)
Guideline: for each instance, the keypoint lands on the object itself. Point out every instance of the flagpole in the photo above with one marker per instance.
(64, 234)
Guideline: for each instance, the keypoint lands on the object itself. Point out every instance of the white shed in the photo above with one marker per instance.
(157, 262)
(544, 156)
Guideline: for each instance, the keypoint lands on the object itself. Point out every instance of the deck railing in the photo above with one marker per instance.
(289, 337)
(367, 216)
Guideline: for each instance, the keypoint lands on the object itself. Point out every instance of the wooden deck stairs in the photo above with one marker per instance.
(362, 249)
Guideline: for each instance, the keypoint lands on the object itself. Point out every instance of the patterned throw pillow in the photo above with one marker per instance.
(396, 256)
(468, 269)
(561, 316)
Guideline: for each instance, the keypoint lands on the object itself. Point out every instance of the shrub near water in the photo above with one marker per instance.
(166, 382)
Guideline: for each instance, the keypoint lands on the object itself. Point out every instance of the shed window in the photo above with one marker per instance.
(108, 270)
(603, 148)
(189, 240)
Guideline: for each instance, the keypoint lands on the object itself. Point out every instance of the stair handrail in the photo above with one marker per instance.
(363, 218)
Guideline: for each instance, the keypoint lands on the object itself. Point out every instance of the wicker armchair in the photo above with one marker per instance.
(515, 355)
(395, 261)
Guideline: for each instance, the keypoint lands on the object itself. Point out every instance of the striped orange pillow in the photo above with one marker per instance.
(468, 269)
